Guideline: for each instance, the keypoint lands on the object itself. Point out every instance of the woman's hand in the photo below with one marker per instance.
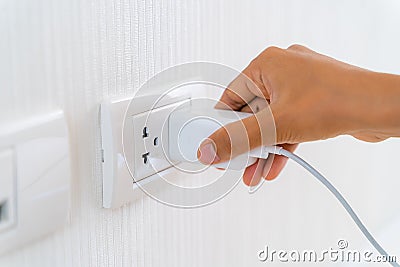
(311, 97)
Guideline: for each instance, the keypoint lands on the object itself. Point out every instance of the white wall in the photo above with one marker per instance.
(74, 53)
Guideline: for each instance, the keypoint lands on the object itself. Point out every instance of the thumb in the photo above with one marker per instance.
(238, 137)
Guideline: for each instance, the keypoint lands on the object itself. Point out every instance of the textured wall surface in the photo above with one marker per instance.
(72, 54)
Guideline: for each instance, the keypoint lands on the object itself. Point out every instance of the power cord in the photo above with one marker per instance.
(280, 151)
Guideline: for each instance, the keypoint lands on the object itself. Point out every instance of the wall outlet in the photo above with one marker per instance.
(137, 142)
(150, 135)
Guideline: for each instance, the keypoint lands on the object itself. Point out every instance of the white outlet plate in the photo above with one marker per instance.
(119, 187)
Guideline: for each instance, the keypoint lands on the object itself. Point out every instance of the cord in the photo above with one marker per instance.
(336, 193)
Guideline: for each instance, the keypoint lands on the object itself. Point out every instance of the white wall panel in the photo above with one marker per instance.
(72, 54)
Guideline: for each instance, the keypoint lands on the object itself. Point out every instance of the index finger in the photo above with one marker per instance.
(243, 89)
(237, 94)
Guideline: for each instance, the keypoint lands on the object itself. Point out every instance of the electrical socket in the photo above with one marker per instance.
(150, 134)
(125, 143)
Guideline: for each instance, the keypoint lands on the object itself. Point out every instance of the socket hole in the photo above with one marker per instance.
(155, 141)
(145, 132)
(145, 157)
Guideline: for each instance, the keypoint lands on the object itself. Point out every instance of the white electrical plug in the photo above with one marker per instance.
(189, 126)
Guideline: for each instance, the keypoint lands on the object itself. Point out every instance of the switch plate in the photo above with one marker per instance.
(39, 203)
(7, 190)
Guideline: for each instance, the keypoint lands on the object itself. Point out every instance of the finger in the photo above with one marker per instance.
(243, 89)
(238, 137)
(253, 174)
(255, 106)
(274, 169)
(247, 109)
(237, 94)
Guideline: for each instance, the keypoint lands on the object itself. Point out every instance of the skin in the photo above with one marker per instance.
(311, 97)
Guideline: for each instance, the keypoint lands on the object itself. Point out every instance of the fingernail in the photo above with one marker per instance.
(208, 155)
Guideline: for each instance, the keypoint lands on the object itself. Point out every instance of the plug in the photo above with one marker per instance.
(190, 125)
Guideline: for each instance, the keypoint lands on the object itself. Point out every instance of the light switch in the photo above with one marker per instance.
(7, 189)
(34, 179)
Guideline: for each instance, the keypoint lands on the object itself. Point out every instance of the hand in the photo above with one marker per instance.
(311, 97)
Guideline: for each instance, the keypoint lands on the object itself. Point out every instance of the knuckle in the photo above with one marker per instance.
(296, 47)
(272, 51)
(234, 96)
(252, 68)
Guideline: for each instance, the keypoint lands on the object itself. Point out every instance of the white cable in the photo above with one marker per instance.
(336, 193)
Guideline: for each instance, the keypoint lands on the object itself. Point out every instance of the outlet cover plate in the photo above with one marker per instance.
(119, 187)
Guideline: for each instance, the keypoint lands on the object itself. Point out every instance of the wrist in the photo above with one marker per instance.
(375, 110)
